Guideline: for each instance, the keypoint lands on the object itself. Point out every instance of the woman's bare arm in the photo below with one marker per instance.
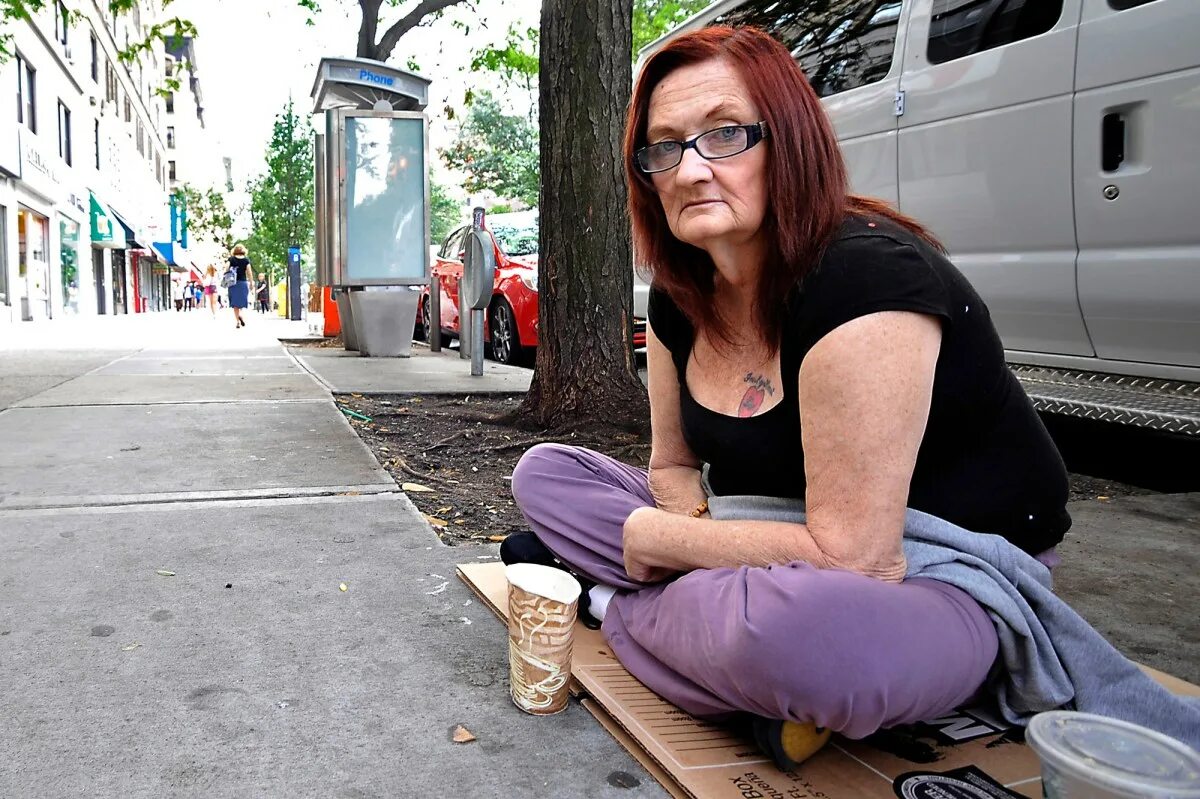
(674, 469)
(865, 390)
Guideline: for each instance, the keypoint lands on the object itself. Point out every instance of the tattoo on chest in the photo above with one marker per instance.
(756, 394)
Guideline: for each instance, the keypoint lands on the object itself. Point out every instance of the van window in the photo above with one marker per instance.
(1121, 5)
(959, 28)
(840, 44)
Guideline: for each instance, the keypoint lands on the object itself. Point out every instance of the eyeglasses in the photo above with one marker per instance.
(713, 145)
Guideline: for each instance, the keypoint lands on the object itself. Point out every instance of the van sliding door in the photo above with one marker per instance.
(1137, 178)
(985, 157)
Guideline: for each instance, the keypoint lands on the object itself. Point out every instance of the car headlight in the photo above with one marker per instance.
(529, 278)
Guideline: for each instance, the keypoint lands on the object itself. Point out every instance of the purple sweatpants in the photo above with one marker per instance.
(789, 642)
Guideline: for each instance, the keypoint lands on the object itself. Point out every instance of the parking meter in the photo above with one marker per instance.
(475, 293)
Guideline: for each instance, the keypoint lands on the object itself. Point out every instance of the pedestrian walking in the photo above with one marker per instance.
(177, 294)
(211, 280)
(189, 295)
(239, 292)
(262, 294)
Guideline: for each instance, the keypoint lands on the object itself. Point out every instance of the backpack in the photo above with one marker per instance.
(229, 278)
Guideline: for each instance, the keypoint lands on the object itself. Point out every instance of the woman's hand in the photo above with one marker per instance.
(638, 563)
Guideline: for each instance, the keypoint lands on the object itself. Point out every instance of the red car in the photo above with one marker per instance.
(511, 330)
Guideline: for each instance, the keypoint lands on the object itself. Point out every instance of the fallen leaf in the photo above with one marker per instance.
(343, 587)
(462, 735)
(435, 521)
(350, 494)
(384, 449)
(460, 521)
(415, 488)
(497, 538)
(164, 572)
(359, 396)
(446, 509)
(1102, 498)
(130, 647)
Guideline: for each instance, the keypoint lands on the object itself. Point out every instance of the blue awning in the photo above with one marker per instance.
(166, 250)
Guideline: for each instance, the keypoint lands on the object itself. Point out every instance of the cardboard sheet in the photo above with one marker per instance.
(966, 755)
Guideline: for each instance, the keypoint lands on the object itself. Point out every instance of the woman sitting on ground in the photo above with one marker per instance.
(803, 343)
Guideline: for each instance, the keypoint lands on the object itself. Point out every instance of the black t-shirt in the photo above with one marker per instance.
(986, 462)
(242, 267)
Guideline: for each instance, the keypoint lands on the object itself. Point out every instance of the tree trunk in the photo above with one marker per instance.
(366, 30)
(585, 370)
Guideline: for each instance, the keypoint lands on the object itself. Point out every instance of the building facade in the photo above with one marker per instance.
(84, 178)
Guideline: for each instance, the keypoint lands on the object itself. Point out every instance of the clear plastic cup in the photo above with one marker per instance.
(1085, 756)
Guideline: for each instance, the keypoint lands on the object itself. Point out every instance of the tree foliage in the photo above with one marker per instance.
(208, 219)
(498, 152)
(282, 198)
(164, 31)
(655, 18)
(444, 212)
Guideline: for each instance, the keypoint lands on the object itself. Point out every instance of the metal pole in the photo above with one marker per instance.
(464, 327)
(435, 315)
(476, 342)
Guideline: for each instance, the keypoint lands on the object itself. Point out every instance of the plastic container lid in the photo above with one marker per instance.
(1115, 755)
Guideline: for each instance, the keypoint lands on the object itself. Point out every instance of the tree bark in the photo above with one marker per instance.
(366, 30)
(585, 370)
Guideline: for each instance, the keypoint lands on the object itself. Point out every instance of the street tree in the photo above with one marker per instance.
(445, 212)
(497, 152)
(281, 198)
(379, 46)
(209, 221)
(585, 371)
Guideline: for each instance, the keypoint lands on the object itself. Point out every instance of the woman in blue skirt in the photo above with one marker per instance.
(239, 292)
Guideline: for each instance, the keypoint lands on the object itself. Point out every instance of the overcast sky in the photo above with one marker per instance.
(252, 53)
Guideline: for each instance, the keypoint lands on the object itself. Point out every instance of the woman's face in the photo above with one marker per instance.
(708, 204)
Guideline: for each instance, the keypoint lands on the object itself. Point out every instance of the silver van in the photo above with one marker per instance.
(1054, 147)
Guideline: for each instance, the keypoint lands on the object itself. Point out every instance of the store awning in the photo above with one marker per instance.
(130, 237)
(104, 232)
(166, 251)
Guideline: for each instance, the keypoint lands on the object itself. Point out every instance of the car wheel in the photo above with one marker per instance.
(502, 325)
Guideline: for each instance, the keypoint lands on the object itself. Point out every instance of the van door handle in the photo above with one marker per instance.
(1112, 142)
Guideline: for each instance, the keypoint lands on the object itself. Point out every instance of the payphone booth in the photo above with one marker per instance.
(372, 199)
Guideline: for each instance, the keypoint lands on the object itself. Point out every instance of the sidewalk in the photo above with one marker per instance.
(180, 503)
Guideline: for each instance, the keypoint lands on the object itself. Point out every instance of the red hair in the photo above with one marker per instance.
(807, 192)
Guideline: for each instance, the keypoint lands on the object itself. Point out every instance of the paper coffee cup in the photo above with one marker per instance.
(542, 604)
(1085, 755)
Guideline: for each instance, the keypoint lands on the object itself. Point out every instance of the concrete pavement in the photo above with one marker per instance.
(168, 443)
(424, 373)
(172, 443)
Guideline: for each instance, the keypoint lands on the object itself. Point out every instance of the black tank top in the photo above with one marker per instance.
(986, 462)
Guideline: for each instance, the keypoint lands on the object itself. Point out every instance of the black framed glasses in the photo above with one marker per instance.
(712, 145)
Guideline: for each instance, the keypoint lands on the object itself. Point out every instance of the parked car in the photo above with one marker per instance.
(1054, 148)
(511, 320)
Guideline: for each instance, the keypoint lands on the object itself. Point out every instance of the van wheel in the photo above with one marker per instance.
(506, 342)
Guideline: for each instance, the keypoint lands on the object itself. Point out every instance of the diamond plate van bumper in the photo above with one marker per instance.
(1166, 405)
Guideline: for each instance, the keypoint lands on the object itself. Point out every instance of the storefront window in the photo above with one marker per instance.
(4, 298)
(69, 259)
(33, 268)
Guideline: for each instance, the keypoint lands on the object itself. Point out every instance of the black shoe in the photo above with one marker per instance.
(528, 548)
